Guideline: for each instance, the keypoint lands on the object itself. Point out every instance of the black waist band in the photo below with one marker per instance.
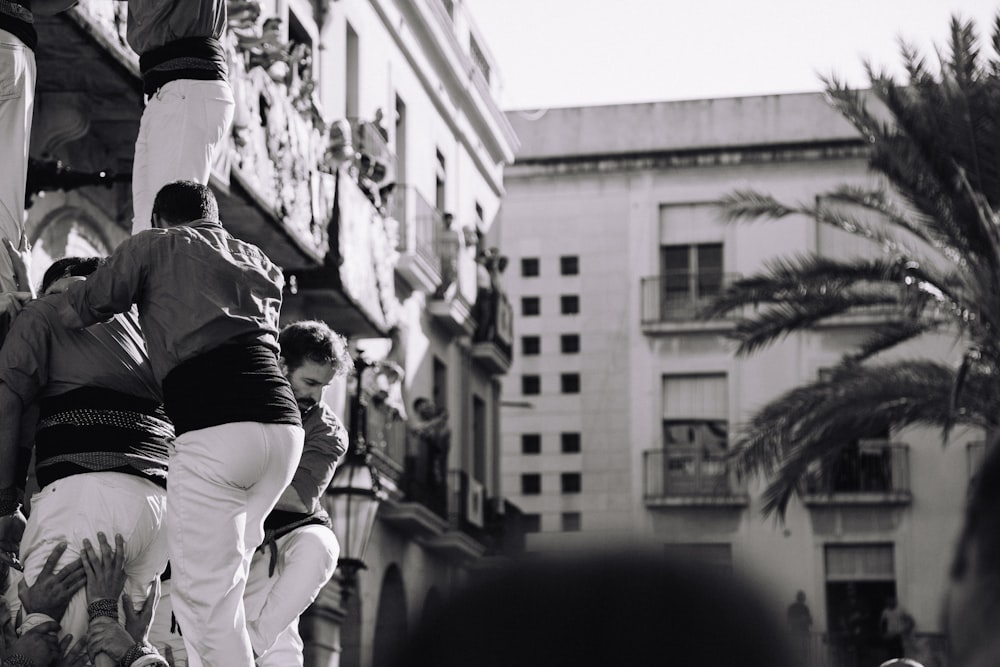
(197, 58)
(232, 383)
(19, 25)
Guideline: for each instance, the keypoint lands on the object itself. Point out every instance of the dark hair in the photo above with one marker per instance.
(185, 201)
(71, 266)
(314, 341)
(603, 609)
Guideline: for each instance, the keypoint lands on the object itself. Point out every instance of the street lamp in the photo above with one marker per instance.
(354, 495)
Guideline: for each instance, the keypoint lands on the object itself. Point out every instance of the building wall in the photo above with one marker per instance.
(608, 184)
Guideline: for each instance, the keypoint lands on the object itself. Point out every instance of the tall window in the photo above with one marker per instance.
(479, 432)
(569, 343)
(570, 482)
(352, 75)
(569, 383)
(529, 267)
(530, 305)
(690, 276)
(401, 138)
(531, 345)
(440, 183)
(569, 304)
(531, 443)
(695, 434)
(570, 442)
(440, 383)
(531, 484)
(531, 385)
(569, 265)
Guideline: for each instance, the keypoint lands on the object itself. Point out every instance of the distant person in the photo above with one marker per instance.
(800, 624)
(893, 624)
(598, 610)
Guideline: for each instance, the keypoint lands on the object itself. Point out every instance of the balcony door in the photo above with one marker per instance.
(691, 276)
(695, 434)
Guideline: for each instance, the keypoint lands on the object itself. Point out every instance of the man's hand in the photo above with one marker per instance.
(137, 620)
(72, 656)
(51, 592)
(105, 571)
(11, 530)
(40, 644)
(106, 635)
(20, 258)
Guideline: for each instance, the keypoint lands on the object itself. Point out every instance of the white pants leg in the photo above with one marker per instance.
(163, 631)
(306, 560)
(77, 507)
(223, 481)
(17, 98)
(182, 126)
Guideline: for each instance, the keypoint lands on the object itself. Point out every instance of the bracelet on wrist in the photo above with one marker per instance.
(18, 660)
(103, 607)
(10, 501)
(137, 651)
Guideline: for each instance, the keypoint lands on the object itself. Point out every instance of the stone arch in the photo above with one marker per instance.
(66, 231)
(390, 620)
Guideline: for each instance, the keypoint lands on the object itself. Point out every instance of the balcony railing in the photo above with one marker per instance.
(375, 159)
(420, 227)
(387, 442)
(687, 472)
(680, 296)
(425, 479)
(873, 467)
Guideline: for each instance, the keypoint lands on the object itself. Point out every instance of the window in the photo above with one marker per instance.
(695, 434)
(570, 383)
(530, 305)
(532, 523)
(570, 443)
(531, 484)
(531, 385)
(690, 276)
(440, 182)
(531, 345)
(531, 443)
(571, 522)
(439, 382)
(352, 74)
(569, 265)
(569, 343)
(569, 304)
(479, 438)
(529, 267)
(479, 58)
(569, 482)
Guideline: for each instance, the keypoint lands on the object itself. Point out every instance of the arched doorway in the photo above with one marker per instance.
(390, 622)
(66, 232)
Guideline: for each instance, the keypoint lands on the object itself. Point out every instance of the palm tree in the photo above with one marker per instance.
(935, 146)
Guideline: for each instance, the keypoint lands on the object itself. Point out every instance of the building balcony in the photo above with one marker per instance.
(686, 476)
(874, 472)
(673, 301)
(447, 305)
(492, 343)
(420, 227)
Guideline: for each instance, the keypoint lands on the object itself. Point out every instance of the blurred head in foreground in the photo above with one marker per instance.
(600, 609)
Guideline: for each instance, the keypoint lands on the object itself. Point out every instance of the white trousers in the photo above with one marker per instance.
(223, 481)
(306, 560)
(79, 506)
(17, 99)
(163, 631)
(182, 126)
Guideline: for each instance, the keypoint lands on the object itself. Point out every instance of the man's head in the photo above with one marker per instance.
(63, 272)
(312, 355)
(800, 597)
(181, 202)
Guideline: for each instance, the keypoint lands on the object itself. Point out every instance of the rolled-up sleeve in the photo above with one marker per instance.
(325, 443)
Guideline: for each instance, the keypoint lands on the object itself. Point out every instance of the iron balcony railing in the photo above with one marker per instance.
(386, 441)
(420, 226)
(871, 466)
(680, 296)
(688, 471)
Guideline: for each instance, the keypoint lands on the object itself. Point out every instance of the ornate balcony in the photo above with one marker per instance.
(493, 341)
(447, 305)
(689, 475)
(873, 472)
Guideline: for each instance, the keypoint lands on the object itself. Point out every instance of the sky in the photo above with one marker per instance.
(557, 53)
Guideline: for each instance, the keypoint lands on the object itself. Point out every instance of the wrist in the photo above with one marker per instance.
(102, 607)
(18, 660)
(135, 653)
(10, 500)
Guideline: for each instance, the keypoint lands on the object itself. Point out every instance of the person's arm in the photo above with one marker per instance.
(111, 289)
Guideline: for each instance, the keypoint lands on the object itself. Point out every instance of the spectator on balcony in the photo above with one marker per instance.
(189, 101)
(17, 84)
(100, 444)
(430, 426)
(490, 264)
(300, 551)
(800, 624)
(893, 625)
(208, 305)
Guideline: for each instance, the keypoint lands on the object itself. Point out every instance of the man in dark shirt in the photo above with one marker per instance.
(17, 98)
(101, 439)
(208, 305)
(300, 550)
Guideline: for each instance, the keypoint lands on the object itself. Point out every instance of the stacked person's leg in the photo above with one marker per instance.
(182, 127)
(306, 559)
(17, 94)
(223, 482)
